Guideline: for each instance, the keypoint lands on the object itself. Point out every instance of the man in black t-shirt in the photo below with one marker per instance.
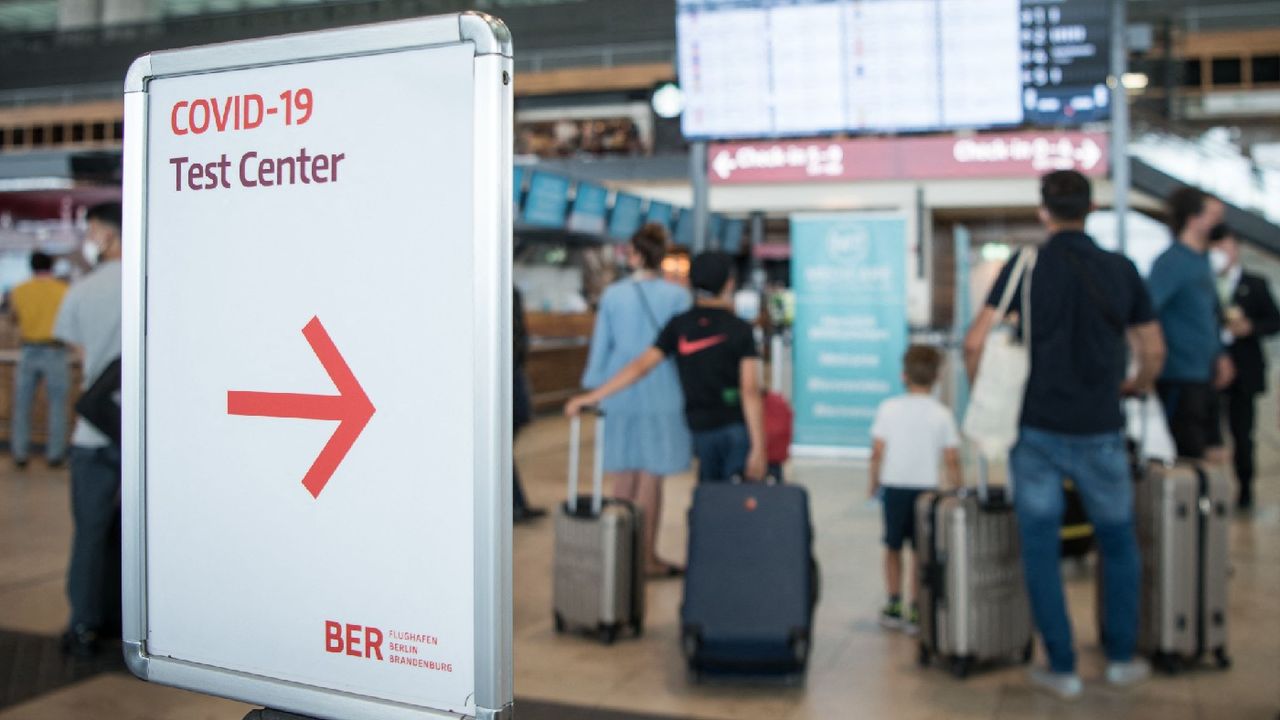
(1086, 304)
(719, 367)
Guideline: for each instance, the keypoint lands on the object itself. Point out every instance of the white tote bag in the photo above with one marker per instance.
(995, 403)
(1149, 430)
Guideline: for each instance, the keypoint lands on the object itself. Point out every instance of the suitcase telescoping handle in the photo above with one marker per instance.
(1003, 495)
(984, 485)
(597, 461)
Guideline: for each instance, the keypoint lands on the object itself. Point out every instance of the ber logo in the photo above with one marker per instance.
(368, 642)
(349, 639)
(351, 407)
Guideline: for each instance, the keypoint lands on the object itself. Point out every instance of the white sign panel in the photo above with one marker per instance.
(319, 482)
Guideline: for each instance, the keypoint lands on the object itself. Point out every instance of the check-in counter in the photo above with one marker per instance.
(558, 346)
(39, 409)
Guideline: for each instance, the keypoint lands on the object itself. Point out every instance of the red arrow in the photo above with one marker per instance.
(351, 407)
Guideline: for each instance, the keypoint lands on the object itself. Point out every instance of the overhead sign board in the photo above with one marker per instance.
(769, 68)
(317, 460)
(983, 156)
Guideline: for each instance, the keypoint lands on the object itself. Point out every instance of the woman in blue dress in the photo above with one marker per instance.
(645, 437)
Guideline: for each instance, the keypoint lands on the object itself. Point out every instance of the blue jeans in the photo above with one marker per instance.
(47, 362)
(93, 576)
(1100, 468)
(722, 452)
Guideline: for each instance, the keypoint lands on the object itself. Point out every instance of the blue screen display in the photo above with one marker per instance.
(625, 220)
(589, 207)
(659, 212)
(547, 201)
(731, 236)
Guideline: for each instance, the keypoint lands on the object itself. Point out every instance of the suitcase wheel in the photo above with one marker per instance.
(961, 667)
(1028, 652)
(691, 643)
(608, 634)
(923, 657)
(800, 647)
(559, 623)
(637, 627)
(1166, 663)
(1222, 659)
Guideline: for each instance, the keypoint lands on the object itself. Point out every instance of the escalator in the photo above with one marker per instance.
(1249, 225)
(1163, 160)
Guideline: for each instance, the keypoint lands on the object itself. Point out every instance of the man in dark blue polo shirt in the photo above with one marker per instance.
(1185, 296)
(1085, 305)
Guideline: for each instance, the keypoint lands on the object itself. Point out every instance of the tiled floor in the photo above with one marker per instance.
(857, 670)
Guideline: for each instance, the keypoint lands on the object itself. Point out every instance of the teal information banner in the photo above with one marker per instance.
(848, 272)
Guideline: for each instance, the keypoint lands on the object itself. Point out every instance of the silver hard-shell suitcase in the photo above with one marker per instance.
(1182, 518)
(973, 602)
(598, 583)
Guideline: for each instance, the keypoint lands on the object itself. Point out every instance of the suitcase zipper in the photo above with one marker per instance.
(933, 574)
(1203, 507)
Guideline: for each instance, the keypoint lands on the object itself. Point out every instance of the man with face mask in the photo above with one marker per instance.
(1186, 301)
(1249, 316)
(89, 320)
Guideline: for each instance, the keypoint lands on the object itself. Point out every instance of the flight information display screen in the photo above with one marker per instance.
(770, 68)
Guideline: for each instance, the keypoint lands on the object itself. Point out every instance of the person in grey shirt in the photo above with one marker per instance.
(89, 320)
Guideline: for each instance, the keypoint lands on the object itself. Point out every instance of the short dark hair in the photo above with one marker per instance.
(921, 365)
(41, 262)
(1185, 203)
(1220, 232)
(651, 243)
(1067, 195)
(109, 213)
(711, 271)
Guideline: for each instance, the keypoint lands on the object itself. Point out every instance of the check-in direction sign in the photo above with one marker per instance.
(350, 407)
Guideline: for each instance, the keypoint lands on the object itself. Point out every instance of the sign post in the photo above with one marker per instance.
(317, 370)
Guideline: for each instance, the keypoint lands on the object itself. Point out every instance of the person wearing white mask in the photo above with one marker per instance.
(89, 320)
(1249, 316)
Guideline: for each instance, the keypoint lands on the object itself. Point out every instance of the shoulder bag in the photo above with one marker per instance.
(995, 403)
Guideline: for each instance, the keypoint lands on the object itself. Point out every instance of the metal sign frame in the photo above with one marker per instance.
(492, 222)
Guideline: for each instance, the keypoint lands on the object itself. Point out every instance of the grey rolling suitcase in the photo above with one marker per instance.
(1182, 519)
(598, 583)
(973, 603)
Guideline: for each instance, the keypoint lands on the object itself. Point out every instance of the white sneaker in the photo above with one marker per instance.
(1128, 674)
(1066, 686)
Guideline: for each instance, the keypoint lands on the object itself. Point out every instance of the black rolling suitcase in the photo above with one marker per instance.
(751, 584)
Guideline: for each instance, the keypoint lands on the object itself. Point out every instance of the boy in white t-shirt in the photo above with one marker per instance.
(910, 434)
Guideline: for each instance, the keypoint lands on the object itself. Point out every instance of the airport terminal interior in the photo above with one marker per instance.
(862, 169)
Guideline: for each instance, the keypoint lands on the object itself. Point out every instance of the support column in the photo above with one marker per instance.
(701, 195)
(1120, 174)
(756, 233)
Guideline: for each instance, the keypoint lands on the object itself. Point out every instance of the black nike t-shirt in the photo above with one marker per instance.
(708, 345)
